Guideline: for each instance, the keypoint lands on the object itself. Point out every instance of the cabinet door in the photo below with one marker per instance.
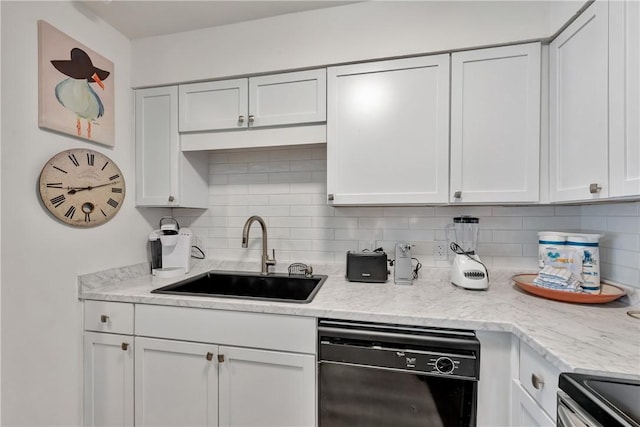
(108, 380)
(578, 139)
(624, 98)
(495, 124)
(157, 146)
(266, 388)
(214, 105)
(525, 411)
(287, 99)
(176, 383)
(388, 132)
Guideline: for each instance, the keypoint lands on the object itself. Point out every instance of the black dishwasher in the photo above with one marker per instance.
(373, 374)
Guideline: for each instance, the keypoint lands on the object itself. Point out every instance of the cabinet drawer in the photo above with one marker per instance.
(114, 317)
(257, 330)
(534, 368)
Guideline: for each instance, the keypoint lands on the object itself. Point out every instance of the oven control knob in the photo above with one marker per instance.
(444, 365)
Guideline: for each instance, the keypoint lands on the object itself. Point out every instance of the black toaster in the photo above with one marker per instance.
(367, 267)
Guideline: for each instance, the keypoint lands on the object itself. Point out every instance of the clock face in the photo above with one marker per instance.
(82, 187)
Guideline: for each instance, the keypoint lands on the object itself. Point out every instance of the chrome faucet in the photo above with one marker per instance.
(266, 261)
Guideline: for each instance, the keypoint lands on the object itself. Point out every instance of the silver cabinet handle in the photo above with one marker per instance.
(537, 382)
(209, 356)
(457, 194)
(124, 346)
(330, 197)
(594, 188)
(251, 119)
(221, 358)
(240, 120)
(104, 318)
(171, 198)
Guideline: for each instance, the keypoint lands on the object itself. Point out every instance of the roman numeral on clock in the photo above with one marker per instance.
(90, 158)
(116, 176)
(70, 212)
(54, 185)
(87, 217)
(58, 200)
(112, 203)
(73, 159)
(116, 190)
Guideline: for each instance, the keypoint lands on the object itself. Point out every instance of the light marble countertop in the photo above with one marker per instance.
(588, 338)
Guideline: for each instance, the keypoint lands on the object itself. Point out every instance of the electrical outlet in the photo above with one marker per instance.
(440, 251)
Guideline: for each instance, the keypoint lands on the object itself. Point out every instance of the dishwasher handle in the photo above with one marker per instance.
(452, 342)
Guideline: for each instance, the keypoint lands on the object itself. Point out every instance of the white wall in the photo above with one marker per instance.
(355, 32)
(41, 258)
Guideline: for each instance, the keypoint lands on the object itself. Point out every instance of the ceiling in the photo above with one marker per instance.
(140, 18)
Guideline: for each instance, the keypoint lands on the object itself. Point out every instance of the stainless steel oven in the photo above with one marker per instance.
(596, 401)
(373, 374)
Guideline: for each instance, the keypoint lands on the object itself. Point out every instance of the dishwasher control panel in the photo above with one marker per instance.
(437, 352)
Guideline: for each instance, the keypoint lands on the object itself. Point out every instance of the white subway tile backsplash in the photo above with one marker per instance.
(612, 209)
(287, 187)
(284, 188)
(312, 210)
(250, 178)
(553, 223)
(290, 177)
(407, 235)
(522, 211)
(409, 211)
(290, 199)
(624, 241)
(502, 222)
(623, 224)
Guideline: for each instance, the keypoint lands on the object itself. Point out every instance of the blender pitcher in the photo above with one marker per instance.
(464, 233)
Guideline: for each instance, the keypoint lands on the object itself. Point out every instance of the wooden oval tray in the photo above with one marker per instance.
(607, 293)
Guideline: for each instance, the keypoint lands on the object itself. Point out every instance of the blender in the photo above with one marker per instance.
(467, 271)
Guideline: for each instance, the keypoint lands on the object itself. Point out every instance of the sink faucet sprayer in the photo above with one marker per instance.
(266, 261)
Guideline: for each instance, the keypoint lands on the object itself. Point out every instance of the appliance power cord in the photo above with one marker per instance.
(458, 250)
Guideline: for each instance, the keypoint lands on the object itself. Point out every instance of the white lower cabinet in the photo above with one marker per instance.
(181, 383)
(266, 388)
(176, 383)
(196, 367)
(108, 380)
(534, 391)
(525, 411)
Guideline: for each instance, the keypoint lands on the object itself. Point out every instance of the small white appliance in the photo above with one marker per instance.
(467, 270)
(402, 271)
(170, 248)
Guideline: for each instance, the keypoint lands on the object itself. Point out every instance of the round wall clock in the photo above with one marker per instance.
(82, 187)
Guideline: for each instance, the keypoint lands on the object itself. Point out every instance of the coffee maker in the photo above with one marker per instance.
(467, 271)
(170, 248)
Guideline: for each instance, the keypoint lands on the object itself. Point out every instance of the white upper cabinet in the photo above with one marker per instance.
(288, 99)
(213, 105)
(495, 124)
(624, 98)
(164, 175)
(271, 100)
(578, 140)
(388, 132)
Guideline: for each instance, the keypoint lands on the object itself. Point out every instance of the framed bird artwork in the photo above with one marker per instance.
(76, 88)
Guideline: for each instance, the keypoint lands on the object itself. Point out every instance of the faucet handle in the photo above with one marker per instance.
(272, 260)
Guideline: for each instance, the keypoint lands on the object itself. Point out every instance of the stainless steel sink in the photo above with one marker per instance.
(232, 284)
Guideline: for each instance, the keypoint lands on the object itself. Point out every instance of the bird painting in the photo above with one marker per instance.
(75, 93)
